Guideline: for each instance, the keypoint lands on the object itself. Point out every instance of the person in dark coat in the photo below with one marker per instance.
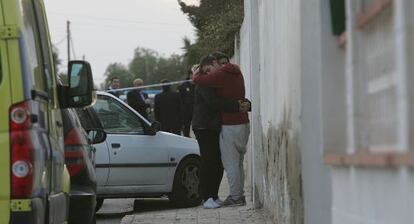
(167, 109)
(228, 81)
(187, 98)
(115, 84)
(206, 124)
(137, 99)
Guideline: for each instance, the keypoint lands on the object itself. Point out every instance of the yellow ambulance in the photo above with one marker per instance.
(33, 179)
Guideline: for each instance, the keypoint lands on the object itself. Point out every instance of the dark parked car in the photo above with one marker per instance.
(79, 159)
(90, 121)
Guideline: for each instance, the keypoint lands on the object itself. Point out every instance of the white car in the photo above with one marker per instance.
(137, 160)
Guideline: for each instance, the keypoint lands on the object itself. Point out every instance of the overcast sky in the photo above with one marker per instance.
(105, 32)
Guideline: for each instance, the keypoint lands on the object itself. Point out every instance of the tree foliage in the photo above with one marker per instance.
(149, 66)
(56, 60)
(144, 64)
(216, 22)
(118, 70)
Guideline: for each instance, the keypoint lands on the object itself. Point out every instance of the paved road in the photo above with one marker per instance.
(113, 210)
(198, 215)
(160, 211)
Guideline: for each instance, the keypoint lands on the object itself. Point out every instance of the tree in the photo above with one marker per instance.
(216, 22)
(149, 66)
(118, 70)
(191, 54)
(63, 76)
(56, 60)
(171, 68)
(144, 64)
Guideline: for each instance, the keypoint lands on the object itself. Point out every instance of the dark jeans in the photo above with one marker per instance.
(186, 129)
(211, 171)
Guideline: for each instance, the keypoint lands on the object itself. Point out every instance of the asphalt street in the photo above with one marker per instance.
(160, 211)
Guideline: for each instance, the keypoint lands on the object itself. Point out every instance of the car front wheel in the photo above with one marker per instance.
(186, 187)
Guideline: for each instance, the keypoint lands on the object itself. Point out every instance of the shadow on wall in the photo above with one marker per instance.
(278, 181)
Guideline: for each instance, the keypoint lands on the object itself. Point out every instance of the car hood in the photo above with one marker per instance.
(179, 144)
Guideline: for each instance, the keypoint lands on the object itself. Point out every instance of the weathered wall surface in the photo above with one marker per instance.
(286, 51)
(313, 98)
(270, 59)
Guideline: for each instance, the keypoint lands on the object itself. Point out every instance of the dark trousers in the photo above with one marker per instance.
(211, 171)
(186, 129)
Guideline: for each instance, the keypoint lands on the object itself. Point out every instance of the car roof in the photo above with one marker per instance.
(103, 93)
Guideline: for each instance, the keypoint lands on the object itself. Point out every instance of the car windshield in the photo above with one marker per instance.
(116, 118)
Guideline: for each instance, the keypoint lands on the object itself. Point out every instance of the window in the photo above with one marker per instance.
(88, 118)
(116, 118)
(366, 4)
(44, 40)
(366, 118)
(31, 48)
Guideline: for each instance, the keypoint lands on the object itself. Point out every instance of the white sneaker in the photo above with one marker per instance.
(210, 203)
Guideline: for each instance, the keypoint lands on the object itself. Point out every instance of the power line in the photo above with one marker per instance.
(149, 86)
(119, 20)
(60, 41)
(58, 27)
(123, 27)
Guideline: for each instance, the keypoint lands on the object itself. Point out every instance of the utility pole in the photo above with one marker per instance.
(68, 38)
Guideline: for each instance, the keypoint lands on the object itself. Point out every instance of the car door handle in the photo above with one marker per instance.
(116, 145)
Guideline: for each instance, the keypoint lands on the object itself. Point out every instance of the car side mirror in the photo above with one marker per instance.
(78, 93)
(155, 127)
(96, 135)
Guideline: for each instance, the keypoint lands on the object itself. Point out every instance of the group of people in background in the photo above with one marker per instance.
(171, 108)
(214, 105)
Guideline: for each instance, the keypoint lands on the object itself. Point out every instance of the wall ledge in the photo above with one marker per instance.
(368, 159)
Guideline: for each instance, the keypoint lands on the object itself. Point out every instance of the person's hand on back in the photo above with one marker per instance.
(244, 106)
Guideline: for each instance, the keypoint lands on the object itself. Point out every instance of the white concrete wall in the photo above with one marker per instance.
(244, 61)
(379, 73)
(322, 64)
(270, 59)
(281, 55)
(312, 97)
(372, 196)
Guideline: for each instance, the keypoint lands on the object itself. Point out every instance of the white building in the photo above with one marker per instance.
(332, 109)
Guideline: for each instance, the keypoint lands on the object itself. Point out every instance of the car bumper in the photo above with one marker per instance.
(30, 211)
(81, 205)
